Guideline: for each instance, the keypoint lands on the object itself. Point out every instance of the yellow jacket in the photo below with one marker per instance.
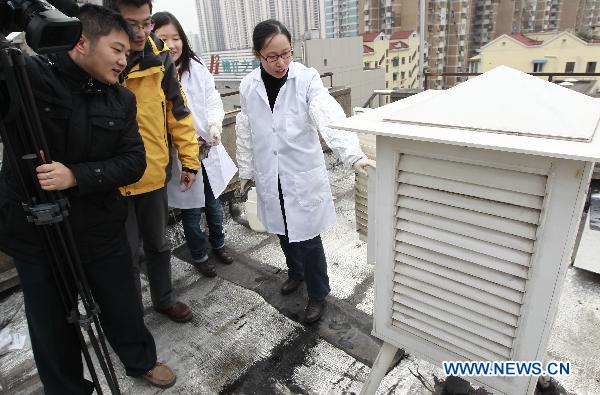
(152, 77)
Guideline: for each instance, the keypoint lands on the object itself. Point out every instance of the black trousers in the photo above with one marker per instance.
(305, 260)
(147, 223)
(56, 348)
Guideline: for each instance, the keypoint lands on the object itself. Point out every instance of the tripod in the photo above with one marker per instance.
(26, 148)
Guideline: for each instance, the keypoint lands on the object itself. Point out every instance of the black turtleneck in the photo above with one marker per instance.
(272, 85)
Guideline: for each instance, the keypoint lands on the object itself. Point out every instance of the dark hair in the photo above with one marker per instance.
(267, 29)
(161, 19)
(100, 21)
(114, 4)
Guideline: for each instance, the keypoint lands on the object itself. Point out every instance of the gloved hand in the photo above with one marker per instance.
(186, 180)
(244, 186)
(361, 165)
(214, 134)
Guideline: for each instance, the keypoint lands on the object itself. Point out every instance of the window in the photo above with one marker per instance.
(591, 67)
(325, 62)
(387, 68)
(366, 65)
(538, 67)
(387, 85)
(395, 76)
(403, 60)
(402, 74)
(395, 62)
(570, 67)
(474, 67)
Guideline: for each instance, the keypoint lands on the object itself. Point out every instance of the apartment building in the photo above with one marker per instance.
(398, 54)
(562, 52)
(456, 29)
(389, 16)
(341, 18)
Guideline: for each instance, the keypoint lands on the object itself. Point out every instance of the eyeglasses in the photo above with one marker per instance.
(274, 58)
(146, 26)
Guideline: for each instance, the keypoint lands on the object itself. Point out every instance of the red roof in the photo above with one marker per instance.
(525, 40)
(367, 49)
(397, 45)
(401, 35)
(370, 37)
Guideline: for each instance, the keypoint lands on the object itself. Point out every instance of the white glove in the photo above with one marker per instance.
(361, 165)
(214, 134)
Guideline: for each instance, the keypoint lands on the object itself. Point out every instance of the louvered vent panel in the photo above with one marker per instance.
(367, 143)
(465, 236)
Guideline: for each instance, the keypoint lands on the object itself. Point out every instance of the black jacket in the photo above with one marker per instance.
(91, 128)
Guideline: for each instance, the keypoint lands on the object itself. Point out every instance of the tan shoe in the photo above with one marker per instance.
(161, 376)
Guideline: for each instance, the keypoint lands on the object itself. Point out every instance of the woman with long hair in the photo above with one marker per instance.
(206, 106)
(284, 107)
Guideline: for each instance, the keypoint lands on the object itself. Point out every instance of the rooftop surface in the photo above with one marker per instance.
(246, 338)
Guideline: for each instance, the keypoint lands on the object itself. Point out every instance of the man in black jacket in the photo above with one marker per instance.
(90, 124)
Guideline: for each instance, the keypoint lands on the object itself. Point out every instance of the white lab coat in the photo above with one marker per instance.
(284, 145)
(204, 101)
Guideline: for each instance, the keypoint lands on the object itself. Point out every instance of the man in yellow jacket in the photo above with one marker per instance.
(161, 114)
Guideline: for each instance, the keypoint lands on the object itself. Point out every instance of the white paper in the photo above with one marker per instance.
(10, 341)
(220, 169)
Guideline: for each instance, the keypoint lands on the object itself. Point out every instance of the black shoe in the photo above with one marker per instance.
(206, 267)
(290, 285)
(313, 311)
(223, 256)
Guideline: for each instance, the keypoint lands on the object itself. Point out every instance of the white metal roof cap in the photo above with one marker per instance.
(505, 100)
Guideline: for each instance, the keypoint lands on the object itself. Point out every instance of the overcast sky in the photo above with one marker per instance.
(184, 10)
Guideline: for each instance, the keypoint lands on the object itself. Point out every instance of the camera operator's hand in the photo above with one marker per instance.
(55, 177)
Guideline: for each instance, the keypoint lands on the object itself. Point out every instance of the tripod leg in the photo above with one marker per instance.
(89, 362)
(46, 209)
(91, 309)
(98, 342)
(69, 301)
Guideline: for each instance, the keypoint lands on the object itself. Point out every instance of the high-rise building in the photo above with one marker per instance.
(314, 15)
(299, 16)
(228, 24)
(448, 37)
(195, 42)
(211, 24)
(587, 16)
(341, 18)
(535, 15)
(382, 15)
(241, 16)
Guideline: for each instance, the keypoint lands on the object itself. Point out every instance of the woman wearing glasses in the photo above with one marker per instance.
(283, 107)
(207, 109)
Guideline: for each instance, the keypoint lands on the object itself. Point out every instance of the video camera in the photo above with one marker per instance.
(47, 28)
